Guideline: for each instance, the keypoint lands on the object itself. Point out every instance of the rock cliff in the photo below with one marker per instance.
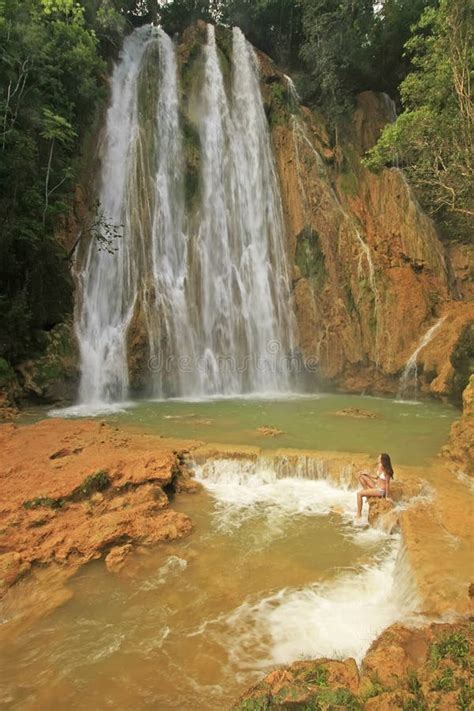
(370, 273)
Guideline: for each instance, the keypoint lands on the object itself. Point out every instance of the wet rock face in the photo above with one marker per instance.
(459, 450)
(12, 568)
(381, 514)
(371, 275)
(138, 349)
(372, 112)
(9, 391)
(54, 376)
(461, 257)
(51, 377)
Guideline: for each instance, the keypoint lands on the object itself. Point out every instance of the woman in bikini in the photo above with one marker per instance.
(378, 485)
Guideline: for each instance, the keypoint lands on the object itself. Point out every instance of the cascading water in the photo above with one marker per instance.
(108, 281)
(410, 374)
(215, 298)
(243, 288)
(345, 614)
(169, 324)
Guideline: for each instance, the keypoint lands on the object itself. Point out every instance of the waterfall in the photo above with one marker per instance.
(206, 288)
(108, 281)
(411, 369)
(168, 313)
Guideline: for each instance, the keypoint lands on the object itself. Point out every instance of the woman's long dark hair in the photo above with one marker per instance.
(387, 464)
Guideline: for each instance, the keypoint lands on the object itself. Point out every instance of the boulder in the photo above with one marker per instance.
(381, 514)
(115, 559)
(12, 568)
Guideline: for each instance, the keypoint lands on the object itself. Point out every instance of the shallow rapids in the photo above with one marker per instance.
(274, 572)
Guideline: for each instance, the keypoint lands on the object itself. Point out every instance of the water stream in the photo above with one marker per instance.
(409, 377)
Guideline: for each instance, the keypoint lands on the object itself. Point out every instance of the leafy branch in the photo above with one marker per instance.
(103, 232)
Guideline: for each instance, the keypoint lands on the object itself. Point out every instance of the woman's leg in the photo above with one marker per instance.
(366, 493)
(366, 481)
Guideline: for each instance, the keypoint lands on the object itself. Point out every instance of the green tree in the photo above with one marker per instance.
(50, 86)
(176, 15)
(432, 138)
(336, 51)
(274, 26)
(55, 129)
(389, 64)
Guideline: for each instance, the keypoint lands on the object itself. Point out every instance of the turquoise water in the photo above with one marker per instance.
(411, 432)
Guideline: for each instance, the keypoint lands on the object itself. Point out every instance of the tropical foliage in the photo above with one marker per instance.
(433, 138)
(49, 85)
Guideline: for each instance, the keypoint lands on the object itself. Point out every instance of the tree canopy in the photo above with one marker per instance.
(50, 83)
(432, 138)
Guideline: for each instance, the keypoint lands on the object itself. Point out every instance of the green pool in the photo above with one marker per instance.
(411, 432)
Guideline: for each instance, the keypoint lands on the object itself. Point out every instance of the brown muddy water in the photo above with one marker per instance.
(274, 571)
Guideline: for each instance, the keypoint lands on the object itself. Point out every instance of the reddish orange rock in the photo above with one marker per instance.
(48, 466)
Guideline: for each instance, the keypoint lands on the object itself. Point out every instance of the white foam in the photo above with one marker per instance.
(244, 488)
(93, 409)
(272, 396)
(170, 568)
(242, 484)
(338, 619)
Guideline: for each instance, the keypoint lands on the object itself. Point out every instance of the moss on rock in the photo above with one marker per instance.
(7, 373)
(91, 484)
(279, 103)
(435, 676)
(53, 376)
(99, 481)
(309, 256)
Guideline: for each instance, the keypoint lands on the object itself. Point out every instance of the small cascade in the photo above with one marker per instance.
(366, 254)
(305, 484)
(293, 92)
(273, 468)
(392, 117)
(339, 618)
(390, 106)
(346, 613)
(207, 293)
(410, 374)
